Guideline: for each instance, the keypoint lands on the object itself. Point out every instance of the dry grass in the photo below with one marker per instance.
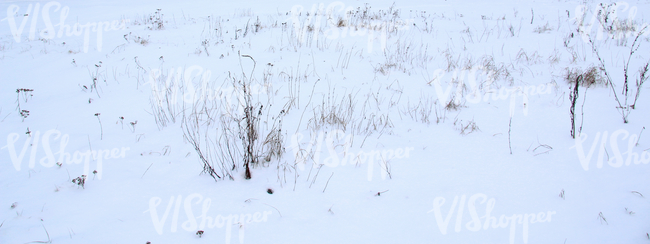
(590, 76)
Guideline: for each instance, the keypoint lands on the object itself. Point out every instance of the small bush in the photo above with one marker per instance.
(80, 181)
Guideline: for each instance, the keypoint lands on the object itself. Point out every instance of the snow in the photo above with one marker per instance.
(380, 145)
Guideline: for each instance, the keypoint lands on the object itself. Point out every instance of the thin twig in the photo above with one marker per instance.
(276, 209)
(379, 193)
(316, 176)
(637, 139)
(48, 237)
(532, 16)
(582, 112)
(638, 193)
(146, 170)
(609, 80)
(100, 126)
(572, 110)
(602, 218)
(310, 96)
(328, 181)
(89, 145)
(509, 129)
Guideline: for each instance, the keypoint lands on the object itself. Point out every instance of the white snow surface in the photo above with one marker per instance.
(380, 143)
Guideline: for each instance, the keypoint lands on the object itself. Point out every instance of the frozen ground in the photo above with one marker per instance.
(382, 122)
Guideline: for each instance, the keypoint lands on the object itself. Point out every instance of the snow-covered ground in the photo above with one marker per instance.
(382, 122)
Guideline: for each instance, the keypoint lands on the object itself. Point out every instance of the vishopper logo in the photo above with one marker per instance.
(192, 84)
(192, 223)
(605, 17)
(338, 138)
(478, 81)
(476, 223)
(50, 32)
(615, 159)
(34, 138)
(340, 27)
